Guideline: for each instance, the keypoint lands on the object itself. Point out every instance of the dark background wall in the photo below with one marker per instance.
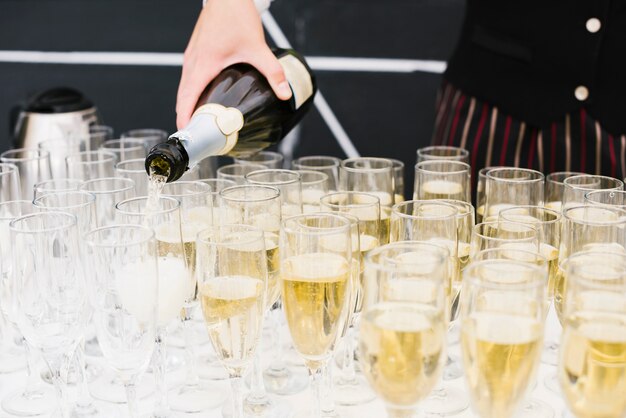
(384, 113)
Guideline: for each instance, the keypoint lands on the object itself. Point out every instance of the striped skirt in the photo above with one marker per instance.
(577, 142)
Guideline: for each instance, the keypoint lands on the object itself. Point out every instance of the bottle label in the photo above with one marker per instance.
(298, 77)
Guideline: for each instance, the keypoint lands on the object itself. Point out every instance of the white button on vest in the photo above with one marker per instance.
(581, 93)
(593, 25)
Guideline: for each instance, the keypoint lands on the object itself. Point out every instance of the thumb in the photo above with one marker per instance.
(268, 65)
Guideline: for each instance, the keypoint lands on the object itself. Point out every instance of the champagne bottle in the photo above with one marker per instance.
(237, 114)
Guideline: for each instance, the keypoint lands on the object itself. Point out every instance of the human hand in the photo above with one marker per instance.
(227, 32)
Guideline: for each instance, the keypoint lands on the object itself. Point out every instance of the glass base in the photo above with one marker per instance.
(275, 409)
(109, 388)
(39, 402)
(192, 399)
(209, 368)
(93, 411)
(285, 380)
(444, 401)
(352, 392)
(535, 408)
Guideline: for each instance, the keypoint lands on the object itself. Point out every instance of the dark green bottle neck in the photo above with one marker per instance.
(168, 159)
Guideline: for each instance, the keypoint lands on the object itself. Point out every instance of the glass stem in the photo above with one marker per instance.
(348, 367)
(57, 364)
(131, 398)
(235, 384)
(84, 401)
(190, 351)
(32, 361)
(161, 408)
(317, 377)
(327, 399)
(278, 363)
(257, 387)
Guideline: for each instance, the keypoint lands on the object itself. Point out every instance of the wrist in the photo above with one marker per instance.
(260, 5)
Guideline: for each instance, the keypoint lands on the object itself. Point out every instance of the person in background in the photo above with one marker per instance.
(530, 84)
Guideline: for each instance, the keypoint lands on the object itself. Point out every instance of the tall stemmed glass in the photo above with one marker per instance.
(555, 188)
(124, 291)
(177, 284)
(33, 167)
(315, 288)
(232, 281)
(125, 148)
(442, 152)
(33, 398)
(108, 191)
(506, 187)
(9, 182)
(91, 165)
(323, 163)
(287, 181)
(315, 184)
(196, 212)
(592, 366)
(237, 172)
(350, 388)
(402, 340)
(97, 135)
(576, 187)
(435, 222)
(269, 159)
(440, 179)
(502, 314)
(50, 291)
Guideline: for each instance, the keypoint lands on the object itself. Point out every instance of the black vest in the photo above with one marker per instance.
(536, 59)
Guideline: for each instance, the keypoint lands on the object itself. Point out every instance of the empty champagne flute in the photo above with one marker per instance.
(237, 172)
(288, 182)
(9, 182)
(125, 148)
(441, 179)
(124, 292)
(269, 159)
(177, 285)
(89, 165)
(108, 191)
(506, 187)
(555, 187)
(442, 152)
(232, 282)
(315, 184)
(323, 163)
(136, 171)
(56, 185)
(502, 315)
(403, 325)
(59, 149)
(97, 135)
(592, 369)
(148, 136)
(576, 187)
(50, 291)
(33, 166)
(316, 289)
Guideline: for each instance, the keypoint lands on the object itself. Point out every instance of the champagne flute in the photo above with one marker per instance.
(232, 282)
(108, 191)
(323, 163)
(97, 135)
(480, 192)
(33, 166)
(148, 136)
(398, 180)
(315, 184)
(136, 171)
(442, 179)
(9, 182)
(125, 148)
(270, 159)
(351, 388)
(496, 234)
(217, 185)
(616, 198)
(289, 183)
(315, 288)
(59, 149)
(90, 165)
(402, 340)
(592, 369)
(576, 187)
(175, 270)
(33, 398)
(506, 187)
(237, 172)
(50, 291)
(502, 315)
(368, 175)
(555, 187)
(56, 185)
(124, 291)
(442, 152)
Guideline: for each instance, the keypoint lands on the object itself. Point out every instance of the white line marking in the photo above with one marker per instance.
(167, 59)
